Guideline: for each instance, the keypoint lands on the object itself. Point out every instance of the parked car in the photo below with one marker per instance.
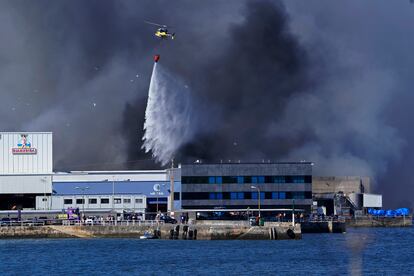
(5, 222)
(168, 219)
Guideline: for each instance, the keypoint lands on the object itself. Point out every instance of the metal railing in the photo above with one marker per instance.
(87, 222)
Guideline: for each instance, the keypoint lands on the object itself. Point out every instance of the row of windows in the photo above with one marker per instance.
(247, 195)
(103, 201)
(246, 179)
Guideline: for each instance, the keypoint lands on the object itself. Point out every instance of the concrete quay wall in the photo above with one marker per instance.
(369, 221)
(204, 232)
(28, 232)
(324, 227)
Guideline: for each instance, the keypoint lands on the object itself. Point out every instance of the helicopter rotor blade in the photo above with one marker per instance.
(155, 24)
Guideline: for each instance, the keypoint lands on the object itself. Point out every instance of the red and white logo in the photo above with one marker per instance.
(24, 146)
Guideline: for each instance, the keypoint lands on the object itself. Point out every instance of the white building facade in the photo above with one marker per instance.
(26, 168)
(119, 203)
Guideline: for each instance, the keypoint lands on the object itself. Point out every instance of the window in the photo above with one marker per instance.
(275, 195)
(211, 180)
(240, 180)
(255, 194)
(254, 179)
(117, 200)
(176, 196)
(67, 201)
(240, 195)
(212, 196)
(194, 180)
(282, 195)
(298, 195)
(261, 179)
(127, 200)
(138, 200)
(219, 195)
(79, 201)
(279, 179)
(219, 180)
(230, 179)
(93, 201)
(298, 179)
(233, 196)
(104, 200)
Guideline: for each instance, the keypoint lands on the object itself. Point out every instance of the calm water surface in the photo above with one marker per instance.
(358, 252)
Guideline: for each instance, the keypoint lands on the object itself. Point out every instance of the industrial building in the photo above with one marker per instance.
(344, 195)
(26, 168)
(154, 185)
(273, 186)
(96, 203)
(28, 182)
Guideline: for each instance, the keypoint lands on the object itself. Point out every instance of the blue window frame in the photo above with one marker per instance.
(233, 196)
(240, 195)
(219, 195)
(260, 179)
(212, 196)
(219, 180)
(240, 180)
(275, 195)
(211, 180)
(282, 195)
(254, 179)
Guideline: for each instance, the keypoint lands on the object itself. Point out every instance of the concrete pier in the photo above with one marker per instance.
(323, 227)
(372, 221)
(165, 231)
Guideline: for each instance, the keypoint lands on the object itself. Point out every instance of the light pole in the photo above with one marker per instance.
(293, 213)
(258, 193)
(83, 189)
(44, 180)
(158, 192)
(113, 190)
(113, 194)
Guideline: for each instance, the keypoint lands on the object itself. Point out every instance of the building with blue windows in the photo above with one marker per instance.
(153, 185)
(239, 186)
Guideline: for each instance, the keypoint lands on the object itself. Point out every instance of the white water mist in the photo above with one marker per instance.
(167, 117)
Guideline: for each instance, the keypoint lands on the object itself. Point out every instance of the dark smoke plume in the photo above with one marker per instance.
(269, 81)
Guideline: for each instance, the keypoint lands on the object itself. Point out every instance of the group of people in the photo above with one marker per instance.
(184, 218)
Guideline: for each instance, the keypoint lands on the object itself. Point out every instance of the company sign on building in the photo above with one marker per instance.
(26, 153)
(24, 146)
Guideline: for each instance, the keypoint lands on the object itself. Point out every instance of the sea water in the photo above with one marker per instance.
(364, 251)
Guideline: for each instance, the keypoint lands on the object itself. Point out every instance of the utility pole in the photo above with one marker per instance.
(172, 188)
(113, 193)
(83, 189)
(293, 212)
(258, 193)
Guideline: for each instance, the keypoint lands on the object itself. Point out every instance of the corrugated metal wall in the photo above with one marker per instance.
(25, 184)
(40, 162)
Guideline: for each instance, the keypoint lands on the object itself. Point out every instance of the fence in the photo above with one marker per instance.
(88, 222)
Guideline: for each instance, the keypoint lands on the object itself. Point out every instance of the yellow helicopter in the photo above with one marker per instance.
(162, 32)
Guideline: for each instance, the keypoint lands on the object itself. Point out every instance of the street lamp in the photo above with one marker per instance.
(83, 189)
(258, 193)
(113, 189)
